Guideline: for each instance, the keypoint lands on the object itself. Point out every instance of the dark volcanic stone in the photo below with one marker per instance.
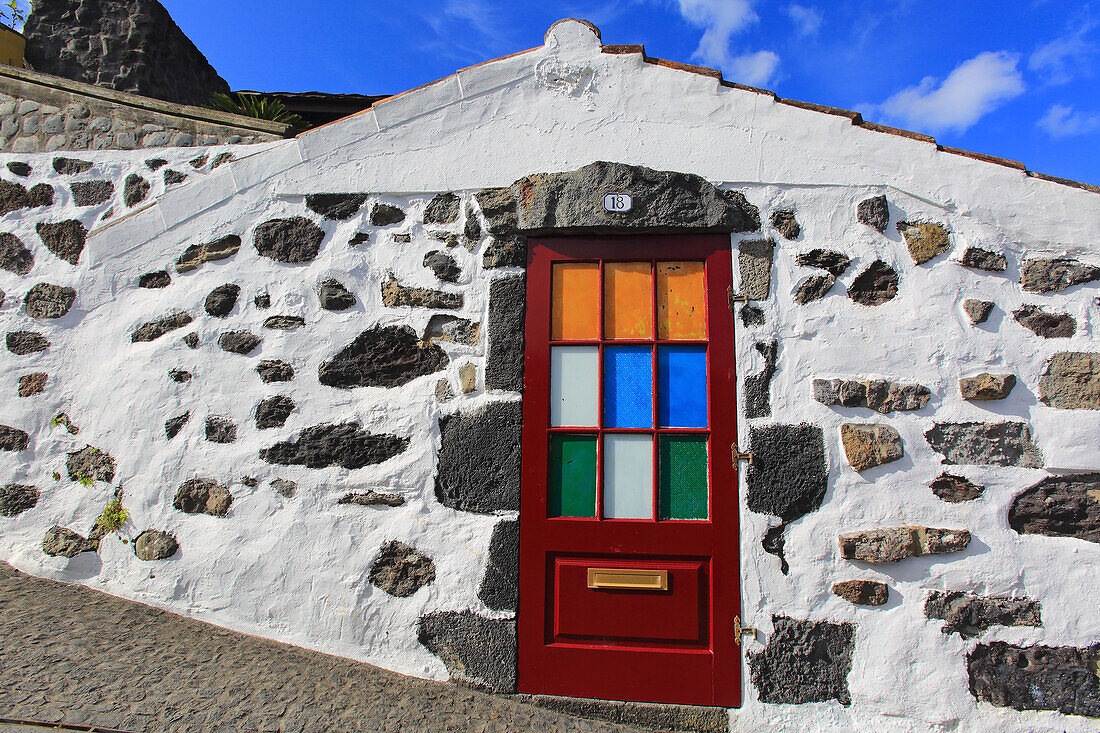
(48, 301)
(172, 177)
(804, 661)
(198, 254)
(874, 212)
(1059, 506)
(754, 260)
(220, 430)
(507, 308)
(384, 215)
(155, 329)
(478, 468)
(158, 279)
(969, 616)
(384, 356)
(263, 300)
(472, 228)
(219, 303)
(1036, 677)
(14, 255)
(443, 265)
(751, 315)
(372, 498)
(758, 386)
(978, 310)
(893, 544)
(1048, 276)
(239, 342)
(875, 285)
(953, 489)
(135, 190)
(863, 592)
(359, 238)
(401, 570)
(203, 496)
(835, 263)
(346, 445)
(985, 444)
(22, 343)
(32, 384)
(92, 193)
(14, 196)
(337, 206)
(294, 241)
(191, 340)
(787, 477)
(505, 251)
(1071, 381)
(13, 439)
(179, 376)
(273, 370)
(664, 201)
(20, 169)
(153, 544)
(62, 542)
(173, 426)
(443, 209)
(786, 224)
(500, 587)
(983, 387)
(71, 166)
(983, 259)
(477, 651)
(879, 395)
(92, 463)
(273, 412)
(198, 162)
(284, 488)
(1047, 325)
(16, 499)
(65, 239)
(814, 288)
(334, 296)
(284, 323)
(774, 543)
(155, 164)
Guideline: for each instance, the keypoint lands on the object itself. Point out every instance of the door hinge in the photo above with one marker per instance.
(738, 456)
(732, 299)
(740, 631)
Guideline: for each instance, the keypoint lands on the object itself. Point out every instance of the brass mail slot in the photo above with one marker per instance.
(630, 578)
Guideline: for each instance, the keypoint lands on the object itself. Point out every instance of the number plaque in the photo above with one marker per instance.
(618, 202)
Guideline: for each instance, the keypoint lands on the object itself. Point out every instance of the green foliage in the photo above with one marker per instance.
(253, 105)
(113, 518)
(57, 420)
(84, 479)
(13, 14)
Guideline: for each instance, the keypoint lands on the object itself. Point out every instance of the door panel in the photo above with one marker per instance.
(628, 519)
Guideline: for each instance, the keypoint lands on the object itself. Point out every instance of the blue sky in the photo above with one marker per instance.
(1014, 78)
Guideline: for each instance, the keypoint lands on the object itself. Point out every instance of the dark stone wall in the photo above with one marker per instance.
(128, 45)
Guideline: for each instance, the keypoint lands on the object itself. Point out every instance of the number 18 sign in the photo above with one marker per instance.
(618, 202)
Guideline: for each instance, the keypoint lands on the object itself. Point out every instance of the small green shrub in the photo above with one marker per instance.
(113, 518)
(84, 479)
(253, 105)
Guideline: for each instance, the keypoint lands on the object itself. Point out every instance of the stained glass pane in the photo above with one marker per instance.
(628, 300)
(683, 470)
(576, 304)
(571, 487)
(681, 307)
(628, 387)
(682, 386)
(628, 476)
(574, 383)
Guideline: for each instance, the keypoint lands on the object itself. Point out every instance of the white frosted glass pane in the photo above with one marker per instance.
(628, 476)
(574, 380)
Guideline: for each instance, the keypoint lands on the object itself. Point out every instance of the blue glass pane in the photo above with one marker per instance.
(682, 386)
(628, 387)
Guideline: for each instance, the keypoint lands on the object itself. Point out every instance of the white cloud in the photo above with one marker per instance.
(807, 21)
(1063, 58)
(720, 21)
(974, 89)
(1062, 121)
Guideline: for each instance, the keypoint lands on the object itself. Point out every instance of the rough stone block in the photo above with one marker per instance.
(48, 301)
(505, 251)
(954, 489)
(925, 240)
(863, 592)
(70, 166)
(219, 303)
(18, 498)
(754, 260)
(273, 412)
(203, 496)
(239, 342)
(1036, 677)
(983, 259)
(32, 384)
(804, 661)
(284, 488)
(135, 190)
(835, 263)
(1059, 506)
(443, 265)
(14, 255)
(879, 395)
(22, 343)
(876, 285)
(155, 329)
(786, 224)
(14, 196)
(372, 498)
(978, 310)
(334, 296)
(478, 468)
(89, 462)
(220, 430)
(347, 445)
(174, 425)
(296, 240)
(758, 386)
(1042, 323)
(477, 651)
(1071, 381)
(273, 370)
(969, 615)
(500, 587)
(452, 329)
(1048, 276)
(401, 570)
(787, 477)
(383, 356)
(507, 310)
(64, 238)
(396, 295)
(198, 254)
(983, 387)
(385, 214)
(336, 206)
(985, 444)
(443, 209)
(869, 445)
(897, 543)
(874, 212)
(153, 545)
(284, 323)
(62, 542)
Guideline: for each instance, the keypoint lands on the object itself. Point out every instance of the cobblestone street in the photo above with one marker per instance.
(72, 655)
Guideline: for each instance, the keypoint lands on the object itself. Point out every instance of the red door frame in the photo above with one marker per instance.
(659, 671)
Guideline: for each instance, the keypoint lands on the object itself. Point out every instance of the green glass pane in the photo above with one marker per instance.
(683, 468)
(572, 484)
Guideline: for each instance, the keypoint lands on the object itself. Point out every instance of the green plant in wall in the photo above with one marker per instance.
(113, 518)
(14, 14)
(254, 105)
(84, 479)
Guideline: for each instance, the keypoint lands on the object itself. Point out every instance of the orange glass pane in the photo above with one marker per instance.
(681, 306)
(576, 306)
(628, 296)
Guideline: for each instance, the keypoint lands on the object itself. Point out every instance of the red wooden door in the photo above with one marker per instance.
(629, 532)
